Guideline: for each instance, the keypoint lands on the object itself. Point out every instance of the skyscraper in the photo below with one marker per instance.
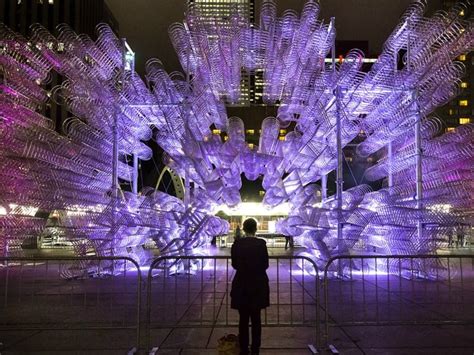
(461, 109)
(218, 12)
(81, 15)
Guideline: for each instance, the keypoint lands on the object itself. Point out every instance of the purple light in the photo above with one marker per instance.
(71, 173)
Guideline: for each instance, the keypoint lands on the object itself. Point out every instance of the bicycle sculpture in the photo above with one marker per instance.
(327, 105)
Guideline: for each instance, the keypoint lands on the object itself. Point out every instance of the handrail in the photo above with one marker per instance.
(374, 257)
(92, 258)
(228, 257)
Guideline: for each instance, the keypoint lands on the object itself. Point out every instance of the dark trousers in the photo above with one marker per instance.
(254, 315)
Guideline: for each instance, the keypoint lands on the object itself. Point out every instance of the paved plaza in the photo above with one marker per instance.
(45, 312)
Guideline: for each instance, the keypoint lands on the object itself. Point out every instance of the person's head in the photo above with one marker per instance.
(250, 226)
(52, 221)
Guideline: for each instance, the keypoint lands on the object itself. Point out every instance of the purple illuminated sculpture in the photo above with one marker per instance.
(329, 105)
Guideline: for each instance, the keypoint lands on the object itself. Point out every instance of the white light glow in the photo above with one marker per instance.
(271, 226)
(22, 210)
(77, 210)
(254, 209)
(444, 208)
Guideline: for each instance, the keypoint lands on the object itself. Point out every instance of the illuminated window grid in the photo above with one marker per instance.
(216, 131)
(250, 132)
(464, 120)
(462, 57)
(463, 103)
(449, 129)
(464, 85)
(212, 10)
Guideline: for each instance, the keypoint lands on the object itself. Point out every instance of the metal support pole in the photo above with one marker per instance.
(324, 187)
(332, 24)
(135, 174)
(418, 147)
(390, 151)
(339, 171)
(115, 156)
(390, 166)
(187, 185)
(419, 167)
(339, 179)
(186, 203)
(114, 179)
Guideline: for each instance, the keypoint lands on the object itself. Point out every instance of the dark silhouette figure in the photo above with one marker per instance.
(450, 238)
(250, 291)
(288, 241)
(238, 233)
(459, 237)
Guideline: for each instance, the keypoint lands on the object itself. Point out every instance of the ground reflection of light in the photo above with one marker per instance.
(301, 272)
(144, 268)
(366, 273)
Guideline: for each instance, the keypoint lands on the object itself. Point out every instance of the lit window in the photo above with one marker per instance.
(261, 193)
(282, 138)
(251, 145)
(464, 120)
(451, 112)
(216, 131)
(250, 131)
(463, 102)
(462, 57)
(449, 129)
(464, 85)
(461, 13)
(226, 138)
(349, 159)
(282, 131)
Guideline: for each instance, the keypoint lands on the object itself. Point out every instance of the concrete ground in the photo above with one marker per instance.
(44, 312)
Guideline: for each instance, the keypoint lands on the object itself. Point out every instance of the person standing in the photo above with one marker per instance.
(238, 233)
(459, 237)
(250, 291)
(450, 238)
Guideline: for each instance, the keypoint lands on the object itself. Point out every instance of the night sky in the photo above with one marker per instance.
(145, 23)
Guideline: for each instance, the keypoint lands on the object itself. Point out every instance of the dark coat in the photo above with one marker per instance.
(250, 284)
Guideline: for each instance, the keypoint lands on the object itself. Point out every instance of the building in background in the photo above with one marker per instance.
(218, 11)
(460, 110)
(81, 15)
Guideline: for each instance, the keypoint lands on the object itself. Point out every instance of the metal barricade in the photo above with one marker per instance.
(368, 290)
(78, 303)
(194, 292)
